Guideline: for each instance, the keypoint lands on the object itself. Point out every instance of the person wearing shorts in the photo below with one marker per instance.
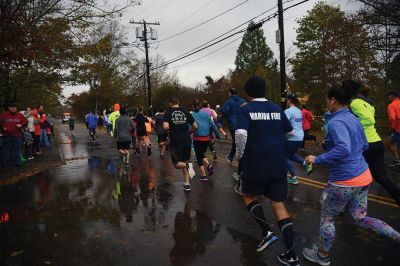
(162, 135)
(177, 121)
(201, 139)
(141, 121)
(393, 111)
(123, 129)
(260, 141)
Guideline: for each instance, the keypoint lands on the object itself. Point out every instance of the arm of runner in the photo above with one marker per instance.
(214, 128)
(341, 144)
(166, 125)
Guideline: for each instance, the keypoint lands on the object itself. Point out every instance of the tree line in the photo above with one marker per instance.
(73, 46)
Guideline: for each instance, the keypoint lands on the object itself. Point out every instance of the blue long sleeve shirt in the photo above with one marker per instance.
(205, 124)
(345, 143)
(231, 109)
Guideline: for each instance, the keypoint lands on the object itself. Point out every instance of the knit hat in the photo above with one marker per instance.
(255, 87)
(116, 107)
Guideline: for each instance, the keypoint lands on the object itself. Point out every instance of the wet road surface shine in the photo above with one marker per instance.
(93, 211)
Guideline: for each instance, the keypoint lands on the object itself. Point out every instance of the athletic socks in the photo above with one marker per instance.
(257, 212)
(286, 227)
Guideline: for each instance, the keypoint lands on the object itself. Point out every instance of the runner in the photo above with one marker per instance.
(113, 117)
(71, 123)
(363, 109)
(100, 122)
(206, 108)
(393, 111)
(108, 124)
(149, 129)
(162, 135)
(201, 139)
(91, 121)
(141, 120)
(230, 111)
(294, 139)
(260, 139)
(349, 177)
(123, 128)
(177, 122)
(308, 117)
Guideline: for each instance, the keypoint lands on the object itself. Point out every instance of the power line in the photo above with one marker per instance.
(161, 8)
(216, 38)
(204, 56)
(213, 42)
(195, 12)
(208, 20)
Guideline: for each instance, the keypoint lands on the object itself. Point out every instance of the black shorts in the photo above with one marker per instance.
(200, 148)
(180, 152)
(162, 138)
(123, 145)
(274, 189)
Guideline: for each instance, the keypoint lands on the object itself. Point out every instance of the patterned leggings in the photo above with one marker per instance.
(334, 199)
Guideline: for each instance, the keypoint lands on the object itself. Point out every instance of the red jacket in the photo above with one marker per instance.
(307, 118)
(9, 123)
(393, 111)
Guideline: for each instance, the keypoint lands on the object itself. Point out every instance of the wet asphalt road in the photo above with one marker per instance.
(93, 211)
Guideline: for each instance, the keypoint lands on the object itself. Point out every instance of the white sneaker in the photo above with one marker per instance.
(189, 167)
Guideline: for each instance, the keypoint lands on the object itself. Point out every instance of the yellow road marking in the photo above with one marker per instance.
(317, 184)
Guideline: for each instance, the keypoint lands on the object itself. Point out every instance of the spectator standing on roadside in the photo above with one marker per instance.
(11, 124)
(44, 124)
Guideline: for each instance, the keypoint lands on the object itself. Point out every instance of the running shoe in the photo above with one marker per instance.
(229, 159)
(236, 176)
(189, 167)
(186, 188)
(215, 155)
(293, 180)
(287, 260)
(210, 169)
(236, 188)
(314, 256)
(308, 168)
(268, 240)
(204, 179)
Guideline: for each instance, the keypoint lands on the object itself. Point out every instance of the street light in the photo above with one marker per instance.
(94, 82)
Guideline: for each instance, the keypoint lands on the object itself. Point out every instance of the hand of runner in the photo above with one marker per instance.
(310, 159)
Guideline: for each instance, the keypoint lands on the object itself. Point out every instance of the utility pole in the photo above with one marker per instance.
(280, 36)
(142, 35)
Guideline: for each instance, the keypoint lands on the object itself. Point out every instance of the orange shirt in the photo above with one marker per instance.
(148, 125)
(359, 181)
(393, 111)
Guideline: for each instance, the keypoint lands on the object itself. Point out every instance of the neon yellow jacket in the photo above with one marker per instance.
(113, 118)
(365, 112)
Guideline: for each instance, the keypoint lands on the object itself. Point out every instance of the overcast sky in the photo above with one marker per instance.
(176, 16)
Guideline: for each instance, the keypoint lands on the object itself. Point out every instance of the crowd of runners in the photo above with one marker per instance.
(265, 142)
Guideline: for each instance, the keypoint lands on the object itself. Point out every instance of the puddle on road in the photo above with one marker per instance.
(96, 212)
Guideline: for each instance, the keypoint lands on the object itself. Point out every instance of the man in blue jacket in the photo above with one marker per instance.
(230, 110)
(91, 121)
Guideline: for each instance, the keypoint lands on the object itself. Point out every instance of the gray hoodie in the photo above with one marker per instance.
(123, 127)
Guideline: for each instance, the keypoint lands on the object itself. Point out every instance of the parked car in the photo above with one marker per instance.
(65, 117)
